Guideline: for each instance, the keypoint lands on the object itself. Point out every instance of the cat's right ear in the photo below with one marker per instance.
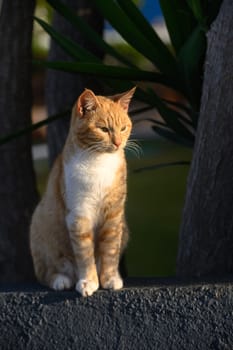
(87, 102)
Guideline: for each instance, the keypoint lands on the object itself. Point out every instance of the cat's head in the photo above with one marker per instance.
(101, 123)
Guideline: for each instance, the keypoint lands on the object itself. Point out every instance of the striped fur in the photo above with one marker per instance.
(78, 230)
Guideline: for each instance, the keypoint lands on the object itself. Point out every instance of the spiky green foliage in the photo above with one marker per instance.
(179, 68)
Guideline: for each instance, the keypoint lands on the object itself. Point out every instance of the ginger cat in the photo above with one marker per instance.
(78, 230)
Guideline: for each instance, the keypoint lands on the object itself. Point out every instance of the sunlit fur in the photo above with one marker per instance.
(78, 230)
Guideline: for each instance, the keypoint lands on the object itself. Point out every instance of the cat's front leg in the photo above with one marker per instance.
(109, 248)
(82, 241)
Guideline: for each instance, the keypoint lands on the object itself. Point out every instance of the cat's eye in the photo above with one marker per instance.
(123, 128)
(104, 128)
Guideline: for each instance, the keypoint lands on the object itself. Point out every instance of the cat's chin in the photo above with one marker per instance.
(114, 150)
(109, 149)
(102, 149)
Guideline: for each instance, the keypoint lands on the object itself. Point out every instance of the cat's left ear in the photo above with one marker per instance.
(124, 98)
(87, 102)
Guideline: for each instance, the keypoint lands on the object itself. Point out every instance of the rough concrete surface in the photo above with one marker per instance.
(146, 314)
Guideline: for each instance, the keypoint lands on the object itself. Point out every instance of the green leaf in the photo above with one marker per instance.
(172, 136)
(74, 50)
(204, 11)
(212, 11)
(32, 127)
(135, 37)
(191, 64)
(179, 21)
(162, 165)
(153, 121)
(173, 119)
(135, 15)
(181, 106)
(196, 7)
(107, 71)
(139, 111)
(87, 31)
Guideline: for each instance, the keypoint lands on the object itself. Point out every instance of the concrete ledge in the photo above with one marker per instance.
(147, 314)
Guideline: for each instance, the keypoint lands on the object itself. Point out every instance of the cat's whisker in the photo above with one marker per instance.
(134, 147)
(137, 149)
(96, 147)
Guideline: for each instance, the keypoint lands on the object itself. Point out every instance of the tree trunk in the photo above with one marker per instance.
(63, 88)
(18, 194)
(206, 237)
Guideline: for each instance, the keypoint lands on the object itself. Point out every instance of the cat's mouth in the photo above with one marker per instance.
(115, 148)
(110, 148)
(105, 148)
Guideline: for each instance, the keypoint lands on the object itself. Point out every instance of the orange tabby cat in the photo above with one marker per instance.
(78, 230)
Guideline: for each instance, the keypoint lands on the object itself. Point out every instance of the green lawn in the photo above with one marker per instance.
(154, 206)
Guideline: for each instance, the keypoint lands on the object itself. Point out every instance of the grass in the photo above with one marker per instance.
(154, 207)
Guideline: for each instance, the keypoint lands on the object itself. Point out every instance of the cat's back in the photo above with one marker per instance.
(52, 202)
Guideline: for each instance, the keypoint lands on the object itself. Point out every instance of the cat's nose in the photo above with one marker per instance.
(117, 142)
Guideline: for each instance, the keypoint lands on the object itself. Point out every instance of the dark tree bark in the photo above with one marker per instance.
(206, 237)
(18, 194)
(63, 88)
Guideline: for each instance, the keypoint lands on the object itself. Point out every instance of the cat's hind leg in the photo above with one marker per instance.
(62, 276)
(60, 282)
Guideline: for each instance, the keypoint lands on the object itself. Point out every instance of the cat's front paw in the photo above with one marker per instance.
(86, 287)
(112, 282)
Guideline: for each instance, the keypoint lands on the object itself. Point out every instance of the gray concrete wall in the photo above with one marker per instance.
(148, 314)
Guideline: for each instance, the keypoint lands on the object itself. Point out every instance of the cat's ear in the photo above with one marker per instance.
(87, 102)
(124, 98)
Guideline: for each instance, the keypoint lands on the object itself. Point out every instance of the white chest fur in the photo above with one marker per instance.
(87, 177)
